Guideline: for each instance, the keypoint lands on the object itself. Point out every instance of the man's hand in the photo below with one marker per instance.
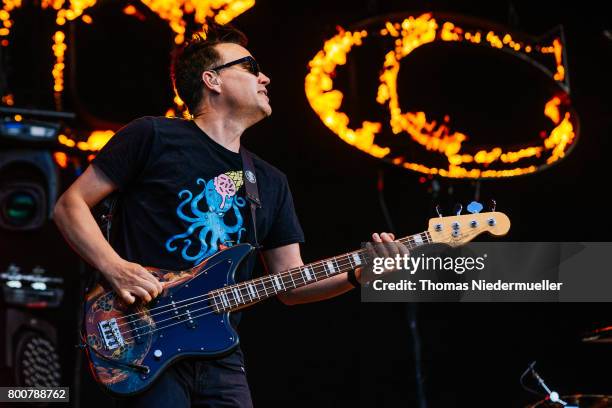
(383, 246)
(72, 215)
(131, 280)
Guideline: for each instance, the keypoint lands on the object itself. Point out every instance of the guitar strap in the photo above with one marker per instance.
(252, 191)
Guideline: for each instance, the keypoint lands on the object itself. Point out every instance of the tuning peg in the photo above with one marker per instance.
(493, 204)
(438, 210)
(474, 207)
(458, 208)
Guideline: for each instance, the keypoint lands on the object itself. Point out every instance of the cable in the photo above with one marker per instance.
(380, 187)
(411, 308)
(522, 382)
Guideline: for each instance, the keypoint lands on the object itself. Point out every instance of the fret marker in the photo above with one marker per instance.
(252, 290)
(357, 259)
(237, 295)
(224, 299)
(308, 275)
(276, 281)
(330, 266)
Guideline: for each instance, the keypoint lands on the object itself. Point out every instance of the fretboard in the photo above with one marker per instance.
(243, 294)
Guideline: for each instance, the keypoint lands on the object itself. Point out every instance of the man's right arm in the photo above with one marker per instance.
(74, 219)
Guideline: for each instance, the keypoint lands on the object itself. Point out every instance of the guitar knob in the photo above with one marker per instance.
(491, 221)
(157, 354)
(474, 207)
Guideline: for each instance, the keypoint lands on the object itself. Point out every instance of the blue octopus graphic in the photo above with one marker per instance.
(221, 197)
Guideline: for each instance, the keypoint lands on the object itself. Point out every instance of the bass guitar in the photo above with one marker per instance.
(128, 346)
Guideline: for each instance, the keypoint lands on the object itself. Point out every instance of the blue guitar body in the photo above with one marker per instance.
(130, 345)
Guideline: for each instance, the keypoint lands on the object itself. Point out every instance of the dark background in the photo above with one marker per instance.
(341, 352)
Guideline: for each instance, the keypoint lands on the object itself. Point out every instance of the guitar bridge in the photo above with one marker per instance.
(111, 336)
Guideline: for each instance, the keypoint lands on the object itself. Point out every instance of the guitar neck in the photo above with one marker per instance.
(243, 294)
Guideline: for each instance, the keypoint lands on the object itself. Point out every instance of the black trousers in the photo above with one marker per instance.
(187, 383)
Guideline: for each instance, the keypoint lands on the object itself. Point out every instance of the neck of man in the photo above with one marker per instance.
(223, 129)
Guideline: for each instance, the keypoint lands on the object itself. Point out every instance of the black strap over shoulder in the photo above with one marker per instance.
(252, 191)
(108, 207)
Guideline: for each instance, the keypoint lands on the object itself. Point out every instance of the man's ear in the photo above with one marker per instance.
(211, 81)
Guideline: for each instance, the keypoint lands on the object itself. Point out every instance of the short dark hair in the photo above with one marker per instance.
(198, 55)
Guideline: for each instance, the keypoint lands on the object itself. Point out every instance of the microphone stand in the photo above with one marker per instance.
(553, 396)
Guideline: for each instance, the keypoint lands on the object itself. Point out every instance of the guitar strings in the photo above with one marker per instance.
(269, 278)
(208, 306)
(207, 296)
(175, 323)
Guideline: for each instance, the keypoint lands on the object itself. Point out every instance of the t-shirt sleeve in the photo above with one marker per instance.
(125, 155)
(286, 228)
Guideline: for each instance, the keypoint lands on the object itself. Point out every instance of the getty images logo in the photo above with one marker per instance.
(412, 264)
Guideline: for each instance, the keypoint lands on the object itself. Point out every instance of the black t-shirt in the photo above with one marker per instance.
(182, 196)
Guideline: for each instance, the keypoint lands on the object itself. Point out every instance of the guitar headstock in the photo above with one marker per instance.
(460, 229)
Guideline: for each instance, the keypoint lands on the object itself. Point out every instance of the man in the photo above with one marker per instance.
(182, 200)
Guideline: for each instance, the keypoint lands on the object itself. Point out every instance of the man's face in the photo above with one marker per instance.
(241, 89)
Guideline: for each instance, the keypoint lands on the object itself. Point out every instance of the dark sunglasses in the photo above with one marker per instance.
(248, 62)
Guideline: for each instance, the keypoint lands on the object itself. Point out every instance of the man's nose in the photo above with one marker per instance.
(263, 78)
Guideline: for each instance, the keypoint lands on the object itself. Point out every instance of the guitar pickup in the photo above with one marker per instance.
(175, 311)
(190, 321)
(111, 336)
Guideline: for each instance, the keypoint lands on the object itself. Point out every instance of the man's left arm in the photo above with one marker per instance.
(288, 256)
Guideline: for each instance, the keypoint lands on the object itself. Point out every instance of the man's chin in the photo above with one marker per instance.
(267, 110)
(264, 112)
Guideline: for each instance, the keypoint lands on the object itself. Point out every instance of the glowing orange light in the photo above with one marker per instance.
(326, 101)
(63, 139)
(96, 140)
(561, 137)
(129, 10)
(5, 17)
(59, 48)
(8, 100)
(61, 159)
(551, 109)
(408, 35)
(557, 50)
(174, 11)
